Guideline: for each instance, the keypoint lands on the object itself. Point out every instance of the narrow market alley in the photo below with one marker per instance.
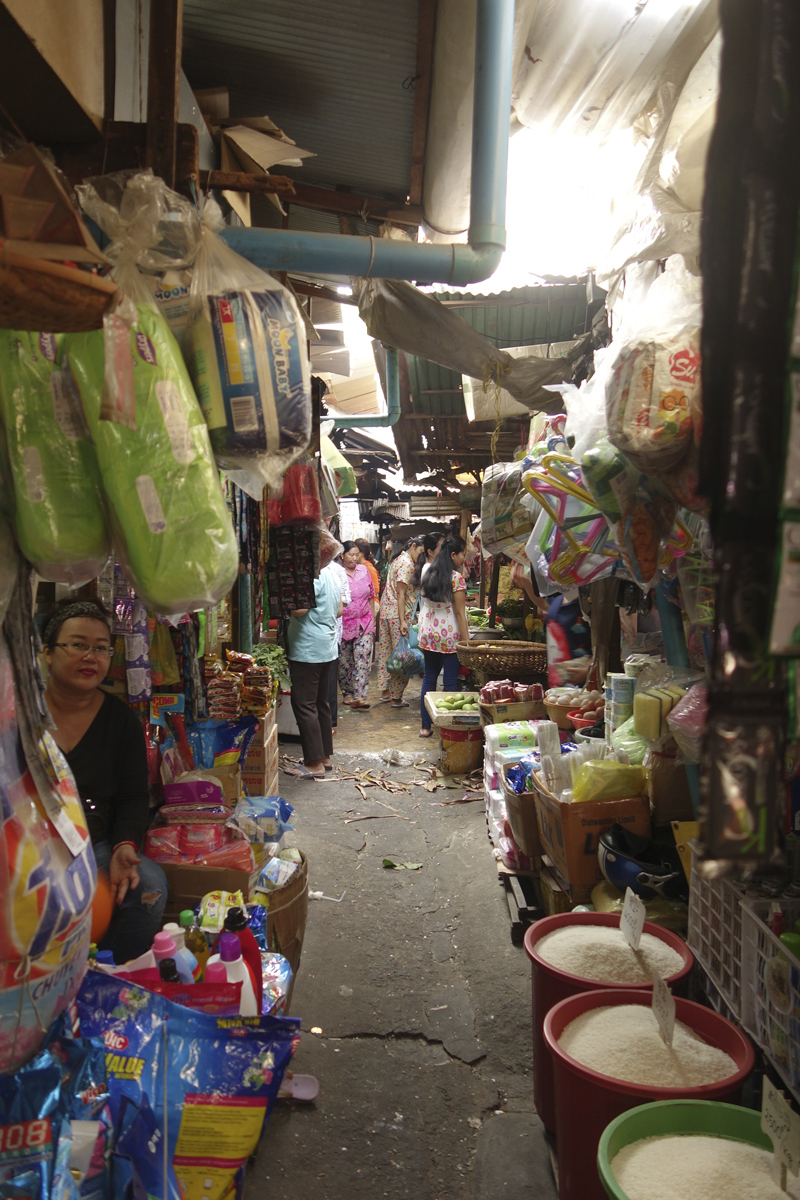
(424, 1054)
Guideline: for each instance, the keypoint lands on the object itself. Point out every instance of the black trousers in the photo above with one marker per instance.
(311, 708)
(333, 690)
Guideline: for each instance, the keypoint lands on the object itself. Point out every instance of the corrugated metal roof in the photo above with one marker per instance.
(330, 74)
(521, 317)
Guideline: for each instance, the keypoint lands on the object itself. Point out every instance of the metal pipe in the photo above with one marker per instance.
(392, 416)
(382, 258)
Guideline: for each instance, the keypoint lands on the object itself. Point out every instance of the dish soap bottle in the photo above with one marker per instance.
(185, 961)
(195, 941)
(237, 971)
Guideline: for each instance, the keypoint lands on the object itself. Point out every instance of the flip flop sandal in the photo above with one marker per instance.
(402, 704)
(359, 707)
(329, 768)
(300, 772)
(425, 733)
(298, 1087)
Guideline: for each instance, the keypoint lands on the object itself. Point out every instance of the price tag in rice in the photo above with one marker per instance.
(664, 1009)
(782, 1124)
(631, 921)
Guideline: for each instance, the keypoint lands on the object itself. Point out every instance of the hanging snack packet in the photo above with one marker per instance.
(169, 520)
(246, 346)
(58, 511)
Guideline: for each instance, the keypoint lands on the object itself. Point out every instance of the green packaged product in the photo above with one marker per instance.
(170, 523)
(57, 506)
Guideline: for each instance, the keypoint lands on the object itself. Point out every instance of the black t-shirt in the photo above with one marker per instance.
(110, 768)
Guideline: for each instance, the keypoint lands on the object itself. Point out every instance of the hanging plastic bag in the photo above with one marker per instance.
(508, 512)
(58, 511)
(653, 394)
(301, 502)
(246, 345)
(404, 660)
(169, 520)
(606, 779)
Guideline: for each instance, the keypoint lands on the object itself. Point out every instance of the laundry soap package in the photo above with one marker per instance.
(211, 1081)
(169, 521)
(246, 347)
(58, 512)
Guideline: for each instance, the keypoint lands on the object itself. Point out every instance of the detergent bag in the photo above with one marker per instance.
(46, 891)
(58, 513)
(246, 346)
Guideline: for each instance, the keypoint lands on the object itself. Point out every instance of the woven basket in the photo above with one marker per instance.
(39, 295)
(504, 658)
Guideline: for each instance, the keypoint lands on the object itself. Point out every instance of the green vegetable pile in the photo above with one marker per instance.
(463, 703)
(478, 618)
(509, 608)
(267, 654)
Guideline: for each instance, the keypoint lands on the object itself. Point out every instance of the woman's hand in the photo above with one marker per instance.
(404, 628)
(122, 872)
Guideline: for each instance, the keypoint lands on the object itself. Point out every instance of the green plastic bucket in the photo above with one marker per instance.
(675, 1117)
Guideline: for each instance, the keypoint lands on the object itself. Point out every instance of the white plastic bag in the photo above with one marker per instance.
(246, 347)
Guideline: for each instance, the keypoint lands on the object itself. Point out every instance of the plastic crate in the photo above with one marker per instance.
(715, 933)
(771, 988)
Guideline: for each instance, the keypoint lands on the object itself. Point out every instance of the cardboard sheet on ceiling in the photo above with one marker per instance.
(253, 145)
(397, 314)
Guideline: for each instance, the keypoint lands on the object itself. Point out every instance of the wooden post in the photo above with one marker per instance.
(163, 87)
(464, 523)
(493, 586)
(482, 585)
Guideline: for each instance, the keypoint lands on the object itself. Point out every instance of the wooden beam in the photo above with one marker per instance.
(163, 87)
(241, 181)
(493, 587)
(124, 148)
(426, 28)
(349, 204)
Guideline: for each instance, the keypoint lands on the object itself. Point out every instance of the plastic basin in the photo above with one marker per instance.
(676, 1117)
(587, 1101)
(549, 985)
(580, 722)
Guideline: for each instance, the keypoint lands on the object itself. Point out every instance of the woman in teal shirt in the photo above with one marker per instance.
(313, 646)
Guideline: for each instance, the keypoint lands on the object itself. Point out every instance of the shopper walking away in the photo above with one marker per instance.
(103, 742)
(397, 605)
(365, 550)
(358, 619)
(313, 648)
(333, 675)
(442, 620)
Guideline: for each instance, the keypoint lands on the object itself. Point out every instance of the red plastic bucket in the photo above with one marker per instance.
(587, 1101)
(549, 985)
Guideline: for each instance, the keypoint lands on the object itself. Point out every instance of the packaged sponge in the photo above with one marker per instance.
(58, 512)
(170, 524)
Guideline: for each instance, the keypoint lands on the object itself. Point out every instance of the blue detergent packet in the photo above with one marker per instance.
(32, 1113)
(138, 1162)
(217, 743)
(262, 818)
(220, 1075)
(276, 971)
(85, 1090)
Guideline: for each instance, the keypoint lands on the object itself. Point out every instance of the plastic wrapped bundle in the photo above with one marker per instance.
(169, 520)
(246, 345)
(58, 512)
(508, 512)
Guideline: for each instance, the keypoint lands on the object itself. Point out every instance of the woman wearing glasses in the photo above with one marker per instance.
(103, 742)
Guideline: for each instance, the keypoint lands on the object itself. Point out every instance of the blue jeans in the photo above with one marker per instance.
(138, 918)
(434, 661)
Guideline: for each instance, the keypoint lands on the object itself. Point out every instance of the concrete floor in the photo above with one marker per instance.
(424, 1055)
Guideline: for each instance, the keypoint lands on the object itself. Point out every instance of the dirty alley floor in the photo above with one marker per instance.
(424, 1055)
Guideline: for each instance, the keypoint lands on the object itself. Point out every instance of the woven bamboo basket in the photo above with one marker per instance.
(504, 659)
(39, 295)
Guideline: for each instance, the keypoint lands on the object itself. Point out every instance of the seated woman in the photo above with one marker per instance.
(103, 742)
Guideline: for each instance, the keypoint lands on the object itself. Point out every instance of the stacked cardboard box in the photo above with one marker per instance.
(260, 772)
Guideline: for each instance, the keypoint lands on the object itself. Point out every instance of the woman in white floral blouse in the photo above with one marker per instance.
(442, 620)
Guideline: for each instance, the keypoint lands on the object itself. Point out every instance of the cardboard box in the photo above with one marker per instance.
(261, 753)
(452, 720)
(569, 834)
(508, 710)
(670, 798)
(554, 898)
(231, 779)
(521, 813)
(264, 728)
(189, 883)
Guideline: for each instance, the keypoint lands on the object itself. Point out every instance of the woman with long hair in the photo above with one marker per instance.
(432, 543)
(358, 625)
(442, 620)
(397, 605)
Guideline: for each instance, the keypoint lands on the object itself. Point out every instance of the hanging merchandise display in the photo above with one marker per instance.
(58, 510)
(246, 346)
(507, 512)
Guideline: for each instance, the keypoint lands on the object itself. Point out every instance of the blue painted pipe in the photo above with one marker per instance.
(381, 258)
(392, 399)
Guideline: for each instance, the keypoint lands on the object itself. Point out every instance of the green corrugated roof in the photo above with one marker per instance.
(522, 317)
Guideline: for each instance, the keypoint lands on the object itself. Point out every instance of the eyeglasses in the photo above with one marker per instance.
(81, 649)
